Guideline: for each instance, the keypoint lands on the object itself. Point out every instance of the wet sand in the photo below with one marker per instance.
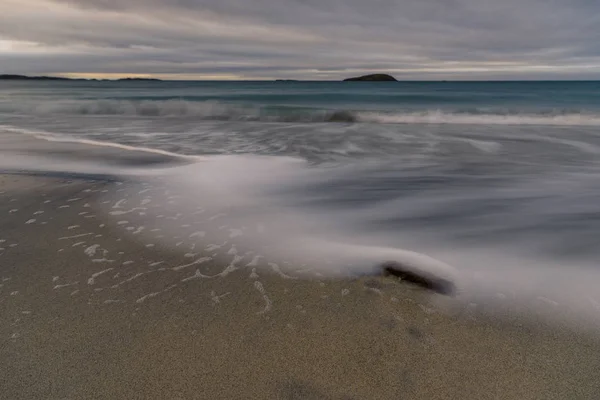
(91, 309)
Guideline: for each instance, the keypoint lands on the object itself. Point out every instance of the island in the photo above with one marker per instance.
(32, 78)
(138, 80)
(372, 78)
(9, 77)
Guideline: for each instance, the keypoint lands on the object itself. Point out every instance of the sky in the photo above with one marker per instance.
(302, 39)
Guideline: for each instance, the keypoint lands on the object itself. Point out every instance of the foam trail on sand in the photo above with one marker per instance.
(285, 216)
(266, 192)
(270, 200)
(51, 137)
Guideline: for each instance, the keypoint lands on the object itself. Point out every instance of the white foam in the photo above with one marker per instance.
(102, 260)
(233, 233)
(232, 267)
(52, 137)
(65, 285)
(279, 272)
(217, 298)
(197, 262)
(268, 303)
(154, 294)
(456, 118)
(242, 186)
(210, 110)
(136, 276)
(92, 279)
(91, 251)
(119, 203)
(233, 250)
(254, 262)
(75, 237)
(197, 275)
(213, 247)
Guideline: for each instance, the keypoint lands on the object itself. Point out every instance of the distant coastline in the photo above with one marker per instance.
(372, 78)
(10, 77)
(18, 77)
(364, 78)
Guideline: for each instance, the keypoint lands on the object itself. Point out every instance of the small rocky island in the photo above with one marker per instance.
(372, 78)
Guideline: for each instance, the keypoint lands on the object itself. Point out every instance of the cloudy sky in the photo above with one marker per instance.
(303, 39)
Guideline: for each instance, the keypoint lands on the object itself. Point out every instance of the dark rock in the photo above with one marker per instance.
(372, 78)
(341, 116)
(422, 279)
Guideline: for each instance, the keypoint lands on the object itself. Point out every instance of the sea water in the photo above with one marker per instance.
(499, 180)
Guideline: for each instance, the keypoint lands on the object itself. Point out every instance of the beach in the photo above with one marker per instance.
(299, 200)
(94, 311)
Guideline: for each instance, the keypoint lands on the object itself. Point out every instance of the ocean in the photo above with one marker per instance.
(499, 181)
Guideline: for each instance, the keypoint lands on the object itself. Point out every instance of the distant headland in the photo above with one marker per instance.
(9, 77)
(372, 78)
(14, 77)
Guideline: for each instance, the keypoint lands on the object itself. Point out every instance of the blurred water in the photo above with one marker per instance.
(496, 178)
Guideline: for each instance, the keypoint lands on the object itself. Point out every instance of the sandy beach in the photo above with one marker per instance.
(299, 200)
(92, 310)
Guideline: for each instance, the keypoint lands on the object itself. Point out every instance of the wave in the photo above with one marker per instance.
(465, 118)
(150, 108)
(223, 111)
(52, 137)
(283, 208)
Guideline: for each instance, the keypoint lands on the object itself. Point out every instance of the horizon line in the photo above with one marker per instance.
(60, 77)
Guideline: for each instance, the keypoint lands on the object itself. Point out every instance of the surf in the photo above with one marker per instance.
(214, 110)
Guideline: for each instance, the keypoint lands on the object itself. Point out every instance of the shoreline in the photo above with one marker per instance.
(114, 318)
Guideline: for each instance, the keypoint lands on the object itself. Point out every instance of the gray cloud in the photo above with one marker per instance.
(310, 39)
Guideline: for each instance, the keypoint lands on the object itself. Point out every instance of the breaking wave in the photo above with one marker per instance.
(223, 111)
